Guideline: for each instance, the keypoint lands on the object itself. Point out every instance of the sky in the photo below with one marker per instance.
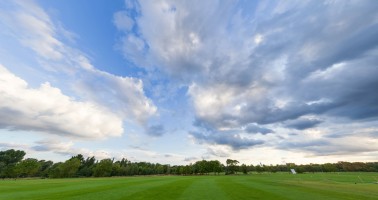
(175, 82)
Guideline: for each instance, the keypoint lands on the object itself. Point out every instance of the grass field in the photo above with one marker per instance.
(254, 186)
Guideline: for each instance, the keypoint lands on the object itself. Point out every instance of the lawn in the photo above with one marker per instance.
(253, 186)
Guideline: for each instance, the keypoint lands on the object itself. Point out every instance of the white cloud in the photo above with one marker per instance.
(12, 145)
(130, 4)
(55, 146)
(218, 151)
(34, 29)
(266, 67)
(222, 105)
(266, 63)
(48, 110)
(32, 26)
(318, 145)
(67, 148)
(122, 21)
(124, 95)
(258, 38)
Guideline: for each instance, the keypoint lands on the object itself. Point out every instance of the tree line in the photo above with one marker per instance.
(13, 165)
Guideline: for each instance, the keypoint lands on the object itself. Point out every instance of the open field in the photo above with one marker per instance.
(254, 186)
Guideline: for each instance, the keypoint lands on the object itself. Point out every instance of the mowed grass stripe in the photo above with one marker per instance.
(113, 190)
(168, 190)
(204, 187)
(345, 185)
(290, 191)
(238, 190)
(275, 188)
(254, 186)
(97, 188)
(295, 187)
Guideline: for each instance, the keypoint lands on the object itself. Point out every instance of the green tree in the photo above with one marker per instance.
(11, 156)
(116, 169)
(28, 167)
(55, 169)
(86, 166)
(103, 168)
(244, 169)
(70, 167)
(66, 169)
(215, 166)
(79, 157)
(45, 168)
(232, 166)
(201, 167)
(8, 161)
(188, 169)
(259, 168)
(329, 167)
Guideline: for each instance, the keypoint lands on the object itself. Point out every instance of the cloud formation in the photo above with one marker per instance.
(303, 124)
(234, 140)
(155, 130)
(264, 63)
(68, 149)
(32, 27)
(322, 147)
(47, 109)
(123, 95)
(237, 76)
(253, 128)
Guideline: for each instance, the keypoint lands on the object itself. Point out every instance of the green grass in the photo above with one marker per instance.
(254, 186)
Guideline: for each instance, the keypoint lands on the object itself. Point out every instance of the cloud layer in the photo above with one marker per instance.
(222, 78)
(271, 63)
(106, 99)
(46, 109)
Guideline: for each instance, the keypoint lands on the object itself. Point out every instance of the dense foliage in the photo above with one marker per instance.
(13, 165)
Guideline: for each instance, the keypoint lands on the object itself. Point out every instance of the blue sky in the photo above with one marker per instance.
(179, 81)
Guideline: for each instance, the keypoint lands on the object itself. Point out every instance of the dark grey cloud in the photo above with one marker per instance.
(316, 147)
(325, 147)
(139, 147)
(58, 147)
(313, 85)
(155, 130)
(203, 123)
(40, 148)
(5, 146)
(262, 114)
(276, 65)
(304, 144)
(302, 124)
(190, 159)
(217, 152)
(252, 128)
(234, 140)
